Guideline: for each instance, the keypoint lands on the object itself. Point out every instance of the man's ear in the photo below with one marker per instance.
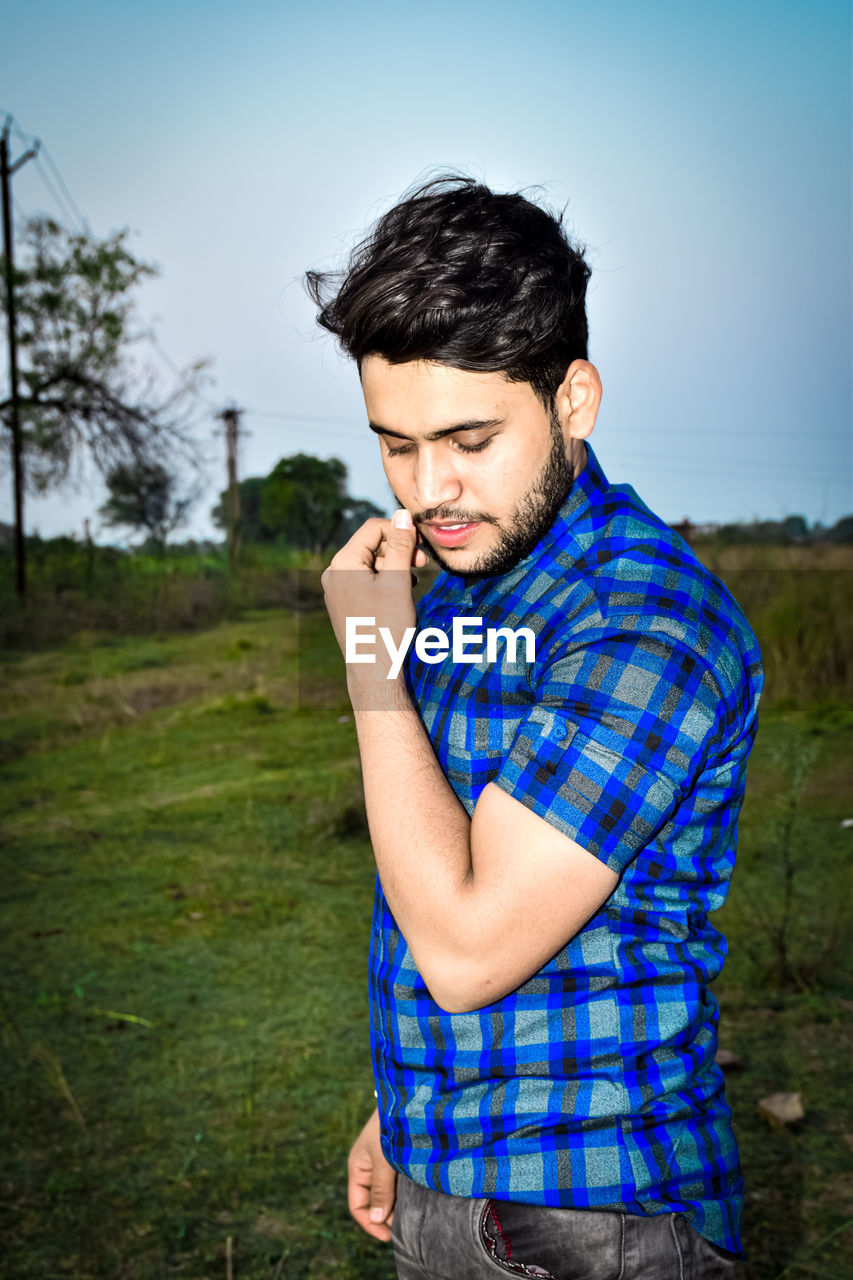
(577, 399)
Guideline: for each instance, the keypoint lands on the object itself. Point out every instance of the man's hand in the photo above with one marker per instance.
(372, 1184)
(371, 577)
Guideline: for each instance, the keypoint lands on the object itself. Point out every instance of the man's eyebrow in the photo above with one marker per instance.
(475, 424)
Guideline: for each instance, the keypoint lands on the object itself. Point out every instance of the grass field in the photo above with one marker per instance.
(186, 915)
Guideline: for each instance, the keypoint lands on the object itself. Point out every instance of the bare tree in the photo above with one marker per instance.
(81, 391)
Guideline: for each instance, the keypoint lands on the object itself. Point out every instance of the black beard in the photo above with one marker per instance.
(530, 520)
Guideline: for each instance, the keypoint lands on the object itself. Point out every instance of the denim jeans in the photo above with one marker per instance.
(441, 1237)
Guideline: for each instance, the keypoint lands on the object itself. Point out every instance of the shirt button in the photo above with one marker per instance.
(385, 1141)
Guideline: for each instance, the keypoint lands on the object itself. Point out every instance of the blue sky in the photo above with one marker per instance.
(703, 154)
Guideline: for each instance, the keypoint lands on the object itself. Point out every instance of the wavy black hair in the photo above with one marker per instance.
(463, 276)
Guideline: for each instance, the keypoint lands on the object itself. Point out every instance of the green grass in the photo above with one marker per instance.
(185, 921)
(794, 1035)
(184, 995)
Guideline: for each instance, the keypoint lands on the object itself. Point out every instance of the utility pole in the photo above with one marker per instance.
(231, 418)
(6, 171)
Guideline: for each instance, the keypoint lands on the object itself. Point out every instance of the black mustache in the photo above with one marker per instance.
(453, 518)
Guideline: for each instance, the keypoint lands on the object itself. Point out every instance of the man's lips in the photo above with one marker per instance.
(450, 533)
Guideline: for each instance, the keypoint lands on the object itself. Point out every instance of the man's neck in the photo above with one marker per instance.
(580, 459)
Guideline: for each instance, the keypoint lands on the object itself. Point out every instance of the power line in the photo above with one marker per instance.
(298, 417)
(64, 209)
(169, 362)
(752, 469)
(752, 466)
(64, 187)
(60, 193)
(330, 425)
(25, 138)
(675, 435)
(732, 461)
(57, 186)
(730, 466)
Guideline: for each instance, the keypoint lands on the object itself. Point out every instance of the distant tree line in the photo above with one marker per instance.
(303, 503)
(792, 531)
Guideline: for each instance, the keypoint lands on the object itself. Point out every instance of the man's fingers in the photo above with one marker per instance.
(371, 1182)
(381, 544)
(383, 1193)
(369, 535)
(398, 549)
(364, 544)
(371, 1194)
(379, 1231)
(419, 560)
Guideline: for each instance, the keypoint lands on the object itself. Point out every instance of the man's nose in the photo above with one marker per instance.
(436, 482)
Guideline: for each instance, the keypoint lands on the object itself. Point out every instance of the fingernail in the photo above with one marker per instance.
(376, 1215)
(402, 519)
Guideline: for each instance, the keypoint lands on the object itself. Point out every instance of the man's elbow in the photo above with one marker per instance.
(463, 988)
(460, 1001)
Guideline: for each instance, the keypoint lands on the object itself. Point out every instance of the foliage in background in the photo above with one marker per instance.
(302, 503)
(252, 528)
(80, 392)
(144, 495)
(303, 499)
(792, 531)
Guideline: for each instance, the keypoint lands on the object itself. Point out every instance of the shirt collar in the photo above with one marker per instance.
(587, 488)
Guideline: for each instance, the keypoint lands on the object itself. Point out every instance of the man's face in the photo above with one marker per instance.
(478, 461)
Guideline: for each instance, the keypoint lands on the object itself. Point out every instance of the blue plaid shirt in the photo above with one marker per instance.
(594, 1085)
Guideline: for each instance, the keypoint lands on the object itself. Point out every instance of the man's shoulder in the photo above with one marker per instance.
(625, 571)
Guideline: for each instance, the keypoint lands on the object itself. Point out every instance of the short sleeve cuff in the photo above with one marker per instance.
(610, 805)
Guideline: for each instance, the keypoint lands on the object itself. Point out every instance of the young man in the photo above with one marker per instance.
(551, 828)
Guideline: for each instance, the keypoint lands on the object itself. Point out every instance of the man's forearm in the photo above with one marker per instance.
(420, 832)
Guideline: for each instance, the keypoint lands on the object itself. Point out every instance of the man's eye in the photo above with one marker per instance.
(462, 448)
(474, 448)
